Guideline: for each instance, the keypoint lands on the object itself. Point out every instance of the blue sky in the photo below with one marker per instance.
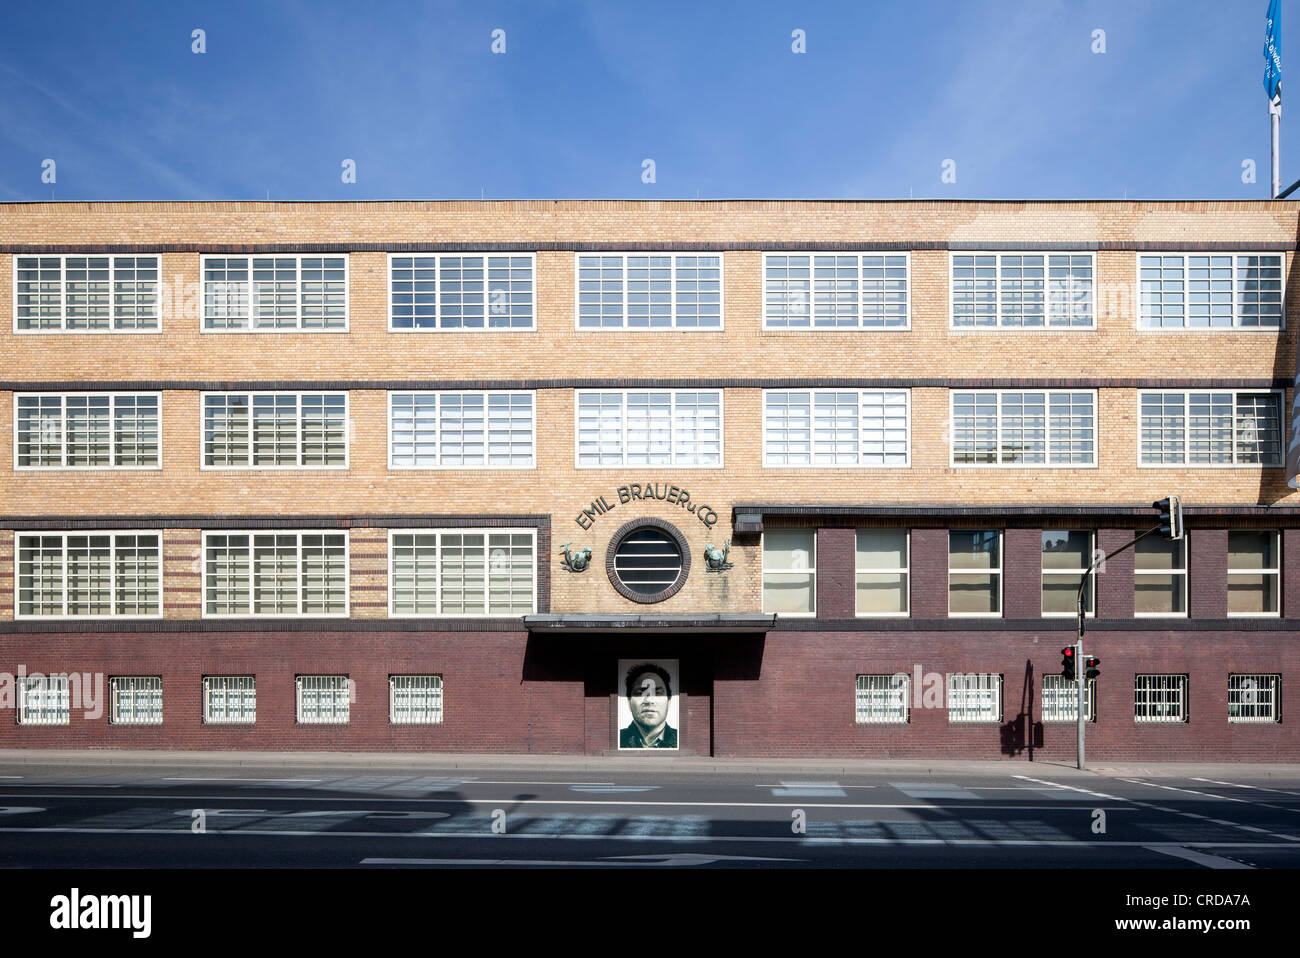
(1011, 92)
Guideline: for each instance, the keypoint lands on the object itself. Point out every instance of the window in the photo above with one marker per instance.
(1220, 428)
(1160, 698)
(44, 700)
(475, 430)
(660, 291)
(649, 429)
(135, 700)
(1041, 428)
(1061, 699)
(975, 572)
(86, 294)
(1067, 555)
(1254, 698)
(275, 294)
(1211, 290)
(460, 292)
(323, 699)
(1022, 290)
(1254, 575)
(650, 560)
(790, 571)
(92, 575)
(1160, 576)
(87, 431)
(275, 573)
(974, 698)
(882, 699)
(867, 428)
(275, 430)
(415, 699)
(229, 699)
(881, 571)
(463, 572)
(835, 290)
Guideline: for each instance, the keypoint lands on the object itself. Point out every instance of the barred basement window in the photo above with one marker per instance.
(790, 571)
(882, 699)
(1160, 698)
(229, 699)
(135, 700)
(470, 430)
(1220, 428)
(1253, 573)
(881, 572)
(1061, 699)
(866, 428)
(974, 698)
(835, 291)
(275, 574)
(275, 430)
(275, 293)
(1067, 555)
(1254, 698)
(1211, 291)
(974, 572)
(87, 431)
(460, 292)
(664, 291)
(463, 572)
(415, 699)
(44, 700)
(1160, 577)
(86, 294)
(1023, 290)
(1044, 428)
(323, 699)
(648, 429)
(95, 575)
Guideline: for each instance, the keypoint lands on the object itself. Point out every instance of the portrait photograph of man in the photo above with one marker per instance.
(647, 704)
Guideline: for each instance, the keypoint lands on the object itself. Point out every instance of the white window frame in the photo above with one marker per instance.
(1183, 573)
(1275, 572)
(298, 427)
(1269, 684)
(439, 531)
(867, 709)
(299, 533)
(1236, 315)
(1283, 430)
(1160, 682)
(1090, 594)
(63, 296)
(331, 685)
(135, 688)
(812, 327)
(63, 427)
(43, 688)
(1061, 704)
(231, 684)
(253, 299)
(997, 571)
(112, 571)
(763, 570)
(437, 285)
(1047, 429)
(394, 680)
(862, 394)
(999, 326)
(487, 395)
(672, 293)
(905, 571)
(960, 685)
(672, 439)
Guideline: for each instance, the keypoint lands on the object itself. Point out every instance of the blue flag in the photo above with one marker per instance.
(1273, 49)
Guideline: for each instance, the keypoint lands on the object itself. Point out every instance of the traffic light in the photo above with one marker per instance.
(1067, 663)
(1090, 663)
(1171, 517)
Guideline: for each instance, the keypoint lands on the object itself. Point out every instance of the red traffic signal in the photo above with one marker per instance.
(1067, 663)
(1090, 663)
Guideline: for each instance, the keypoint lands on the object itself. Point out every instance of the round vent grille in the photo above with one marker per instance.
(648, 560)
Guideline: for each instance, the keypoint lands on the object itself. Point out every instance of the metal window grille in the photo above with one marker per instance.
(664, 291)
(44, 700)
(1211, 291)
(1254, 698)
(323, 699)
(974, 698)
(462, 430)
(229, 699)
(1061, 699)
(135, 700)
(1160, 698)
(415, 699)
(648, 561)
(882, 699)
(87, 293)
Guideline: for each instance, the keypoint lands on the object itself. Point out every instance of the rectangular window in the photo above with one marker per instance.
(883, 699)
(881, 571)
(275, 294)
(87, 431)
(92, 575)
(974, 698)
(473, 430)
(790, 571)
(1160, 698)
(1254, 573)
(460, 292)
(44, 700)
(415, 699)
(275, 430)
(1040, 428)
(1160, 577)
(1023, 290)
(1254, 698)
(463, 572)
(1061, 699)
(1219, 428)
(1203, 291)
(659, 291)
(135, 699)
(824, 428)
(275, 573)
(975, 572)
(1067, 555)
(86, 294)
(659, 428)
(323, 699)
(835, 290)
(229, 699)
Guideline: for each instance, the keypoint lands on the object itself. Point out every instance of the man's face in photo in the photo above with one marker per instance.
(649, 701)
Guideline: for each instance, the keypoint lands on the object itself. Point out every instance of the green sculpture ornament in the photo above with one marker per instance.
(576, 561)
(715, 559)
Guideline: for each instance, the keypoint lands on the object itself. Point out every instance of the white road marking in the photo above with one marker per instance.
(1258, 788)
(675, 859)
(1201, 858)
(187, 779)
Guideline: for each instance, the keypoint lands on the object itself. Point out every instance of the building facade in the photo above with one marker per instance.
(738, 478)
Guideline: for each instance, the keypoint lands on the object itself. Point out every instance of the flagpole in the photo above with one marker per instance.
(1275, 110)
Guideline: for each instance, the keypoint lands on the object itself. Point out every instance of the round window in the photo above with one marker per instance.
(647, 560)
